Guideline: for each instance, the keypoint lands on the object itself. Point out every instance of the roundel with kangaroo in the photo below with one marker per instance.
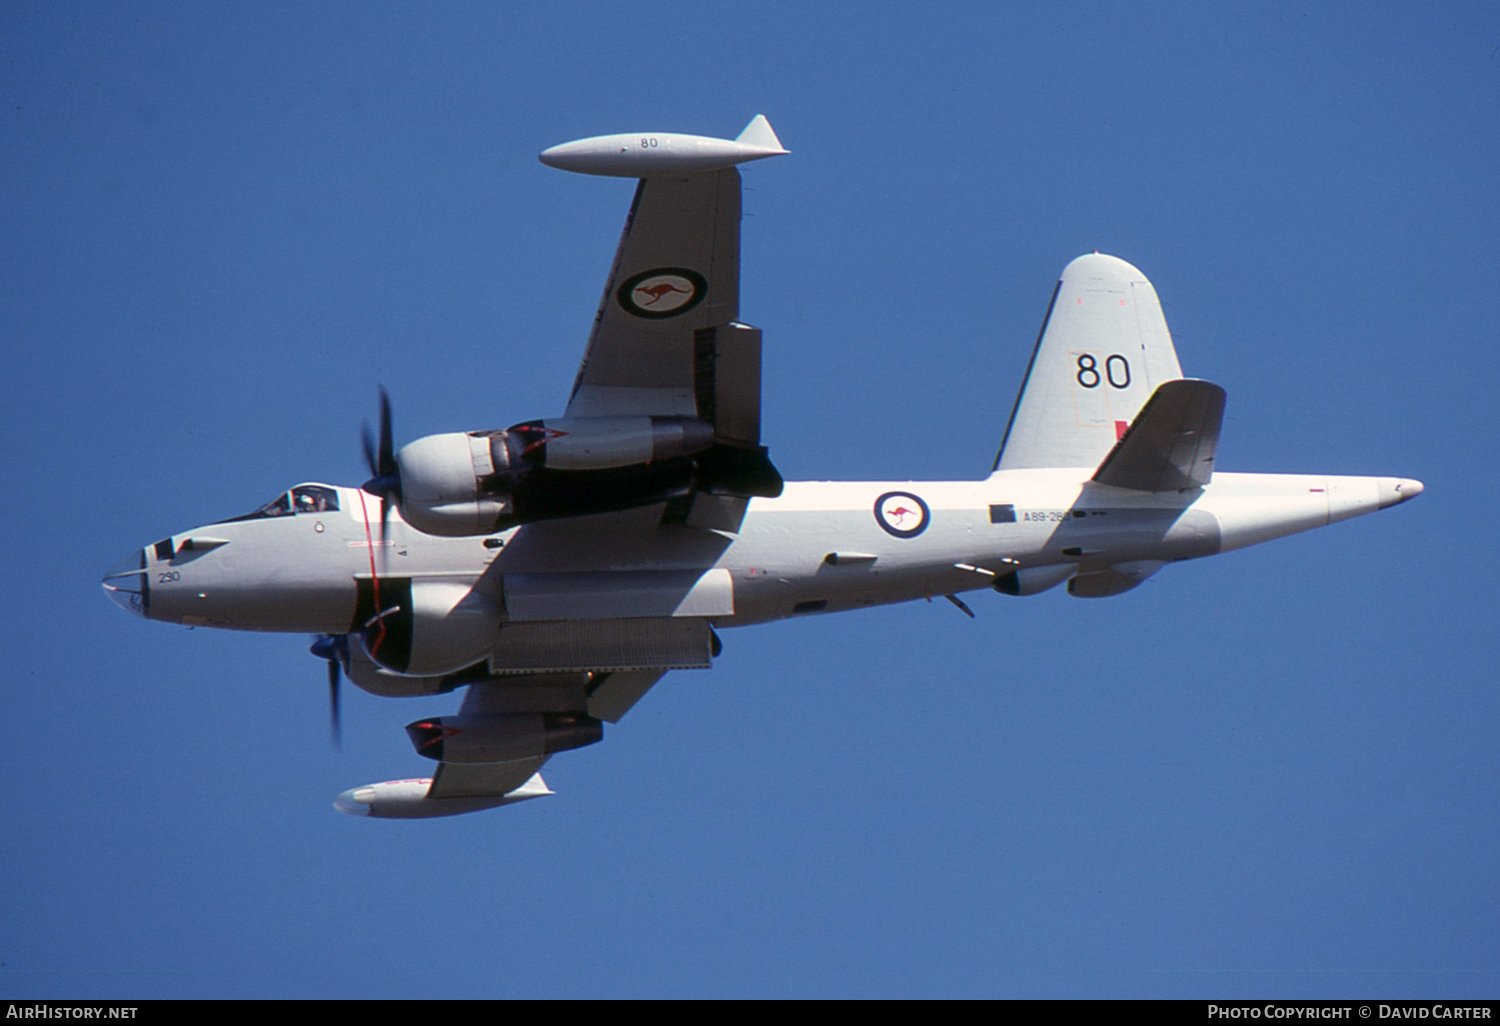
(902, 514)
(662, 292)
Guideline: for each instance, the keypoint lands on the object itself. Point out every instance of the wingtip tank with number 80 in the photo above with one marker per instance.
(646, 154)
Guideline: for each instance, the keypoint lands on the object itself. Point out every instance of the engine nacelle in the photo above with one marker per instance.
(1034, 580)
(428, 628)
(504, 737)
(605, 443)
(485, 481)
(440, 490)
(368, 675)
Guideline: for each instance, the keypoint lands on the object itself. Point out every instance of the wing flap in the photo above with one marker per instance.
(1172, 443)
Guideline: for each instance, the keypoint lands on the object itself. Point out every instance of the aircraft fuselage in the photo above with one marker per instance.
(820, 547)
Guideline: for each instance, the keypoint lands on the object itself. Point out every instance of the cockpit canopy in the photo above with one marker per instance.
(305, 498)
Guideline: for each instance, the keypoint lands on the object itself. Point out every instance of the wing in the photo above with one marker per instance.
(505, 731)
(507, 728)
(585, 696)
(488, 780)
(666, 341)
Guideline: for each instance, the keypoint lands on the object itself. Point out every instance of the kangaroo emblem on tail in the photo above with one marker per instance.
(659, 290)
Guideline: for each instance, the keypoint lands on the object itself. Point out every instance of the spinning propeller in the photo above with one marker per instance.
(385, 473)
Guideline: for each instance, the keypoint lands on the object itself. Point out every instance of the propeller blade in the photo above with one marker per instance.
(369, 443)
(335, 649)
(335, 724)
(387, 447)
(385, 472)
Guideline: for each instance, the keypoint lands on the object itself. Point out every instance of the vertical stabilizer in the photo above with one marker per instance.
(1103, 349)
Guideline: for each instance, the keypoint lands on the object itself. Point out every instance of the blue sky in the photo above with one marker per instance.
(1271, 773)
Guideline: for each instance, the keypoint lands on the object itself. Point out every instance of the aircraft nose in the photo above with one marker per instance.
(1395, 490)
(126, 584)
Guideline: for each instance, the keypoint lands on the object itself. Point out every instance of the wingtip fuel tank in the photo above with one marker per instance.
(408, 799)
(643, 154)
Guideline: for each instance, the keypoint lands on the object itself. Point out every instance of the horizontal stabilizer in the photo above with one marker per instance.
(1171, 444)
(760, 135)
(1115, 580)
(739, 470)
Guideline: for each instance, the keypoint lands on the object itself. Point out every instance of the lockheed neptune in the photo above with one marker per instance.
(558, 568)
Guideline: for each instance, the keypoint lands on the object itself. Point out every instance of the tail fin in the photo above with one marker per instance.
(1103, 349)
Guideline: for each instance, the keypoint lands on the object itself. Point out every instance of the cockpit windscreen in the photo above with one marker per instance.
(307, 498)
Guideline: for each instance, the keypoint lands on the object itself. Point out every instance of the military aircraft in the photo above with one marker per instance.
(558, 568)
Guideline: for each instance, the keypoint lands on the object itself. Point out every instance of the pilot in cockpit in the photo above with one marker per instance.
(314, 499)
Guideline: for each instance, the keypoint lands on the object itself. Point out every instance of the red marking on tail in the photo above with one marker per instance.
(1121, 426)
(659, 290)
